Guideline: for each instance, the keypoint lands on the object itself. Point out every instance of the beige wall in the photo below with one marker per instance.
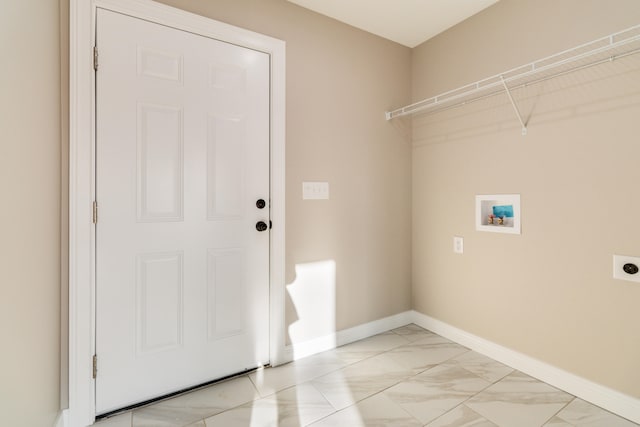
(547, 293)
(340, 81)
(30, 213)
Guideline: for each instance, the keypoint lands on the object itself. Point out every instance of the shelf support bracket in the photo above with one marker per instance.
(515, 107)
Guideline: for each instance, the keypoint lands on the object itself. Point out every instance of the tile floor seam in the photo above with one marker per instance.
(470, 397)
(255, 386)
(252, 383)
(375, 354)
(361, 400)
(347, 365)
(450, 411)
(326, 416)
(376, 393)
(479, 391)
(489, 381)
(560, 410)
(298, 383)
(489, 384)
(407, 412)
(355, 402)
(399, 406)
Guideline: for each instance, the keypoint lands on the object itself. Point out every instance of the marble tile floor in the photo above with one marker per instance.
(405, 377)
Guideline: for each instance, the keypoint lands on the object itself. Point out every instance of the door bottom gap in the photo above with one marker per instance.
(175, 393)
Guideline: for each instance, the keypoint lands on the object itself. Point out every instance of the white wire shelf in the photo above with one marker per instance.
(602, 50)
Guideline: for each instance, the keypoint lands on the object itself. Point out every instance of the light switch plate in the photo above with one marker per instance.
(458, 244)
(618, 272)
(315, 190)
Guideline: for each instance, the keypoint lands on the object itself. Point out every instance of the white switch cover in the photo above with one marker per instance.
(458, 244)
(619, 262)
(315, 190)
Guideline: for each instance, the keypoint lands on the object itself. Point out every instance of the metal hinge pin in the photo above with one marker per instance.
(95, 212)
(95, 366)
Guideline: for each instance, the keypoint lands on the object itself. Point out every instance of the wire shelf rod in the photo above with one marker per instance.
(466, 93)
(540, 80)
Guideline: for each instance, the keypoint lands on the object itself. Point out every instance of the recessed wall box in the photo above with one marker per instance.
(498, 213)
(626, 268)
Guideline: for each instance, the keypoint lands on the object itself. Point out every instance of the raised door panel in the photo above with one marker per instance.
(225, 168)
(160, 163)
(225, 286)
(159, 302)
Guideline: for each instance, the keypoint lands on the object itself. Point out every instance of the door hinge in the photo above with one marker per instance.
(95, 366)
(95, 212)
(95, 58)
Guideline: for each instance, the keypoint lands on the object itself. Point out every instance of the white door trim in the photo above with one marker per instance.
(82, 20)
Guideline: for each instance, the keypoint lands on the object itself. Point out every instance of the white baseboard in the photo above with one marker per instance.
(61, 420)
(604, 397)
(346, 336)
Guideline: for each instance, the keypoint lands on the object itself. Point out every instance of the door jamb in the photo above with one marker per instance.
(82, 20)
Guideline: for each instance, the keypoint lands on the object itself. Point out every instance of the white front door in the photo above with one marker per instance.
(182, 160)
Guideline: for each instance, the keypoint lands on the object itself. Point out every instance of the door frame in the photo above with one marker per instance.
(82, 116)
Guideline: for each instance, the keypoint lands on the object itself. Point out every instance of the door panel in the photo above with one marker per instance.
(225, 267)
(225, 154)
(182, 155)
(159, 158)
(159, 303)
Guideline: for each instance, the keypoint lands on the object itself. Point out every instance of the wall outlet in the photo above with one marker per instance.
(458, 244)
(623, 268)
(315, 190)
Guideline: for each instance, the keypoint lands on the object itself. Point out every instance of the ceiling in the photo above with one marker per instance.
(408, 22)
